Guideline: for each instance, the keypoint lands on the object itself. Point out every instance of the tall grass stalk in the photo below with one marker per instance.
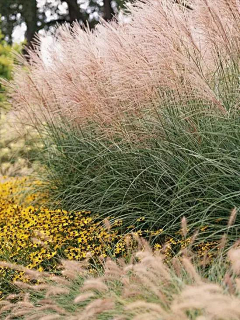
(145, 288)
(121, 69)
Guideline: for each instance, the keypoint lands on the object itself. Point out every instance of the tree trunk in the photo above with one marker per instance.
(108, 10)
(74, 11)
(30, 17)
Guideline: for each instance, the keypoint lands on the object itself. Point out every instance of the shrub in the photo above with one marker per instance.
(26, 230)
(6, 66)
(19, 147)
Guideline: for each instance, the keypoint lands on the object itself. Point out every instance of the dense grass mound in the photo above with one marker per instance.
(185, 168)
(146, 124)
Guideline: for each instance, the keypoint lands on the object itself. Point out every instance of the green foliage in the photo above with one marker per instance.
(186, 168)
(6, 65)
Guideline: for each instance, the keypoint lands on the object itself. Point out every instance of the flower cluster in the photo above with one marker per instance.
(34, 236)
(37, 237)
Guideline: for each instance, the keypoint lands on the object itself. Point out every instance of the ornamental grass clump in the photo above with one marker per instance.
(178, 172)
(145, 288)
(142, 119)
(120, 72)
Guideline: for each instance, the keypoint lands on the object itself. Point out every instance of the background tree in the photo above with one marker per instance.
(74, 11)
(15, 12)
(38, 16)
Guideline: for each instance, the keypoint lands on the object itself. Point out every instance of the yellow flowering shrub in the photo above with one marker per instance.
(33, 236)
(37, 237)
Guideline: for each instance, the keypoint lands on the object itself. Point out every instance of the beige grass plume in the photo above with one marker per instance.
(165, 55)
